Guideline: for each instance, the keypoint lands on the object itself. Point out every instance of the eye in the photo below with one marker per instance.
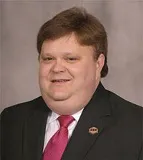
(72, 59)
(47, 58)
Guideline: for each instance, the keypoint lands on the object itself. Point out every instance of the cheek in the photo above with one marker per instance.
(43, 71)
(85, 73)
(89, 73)
(43, 77)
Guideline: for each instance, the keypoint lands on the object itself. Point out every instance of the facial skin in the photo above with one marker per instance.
(68, 74)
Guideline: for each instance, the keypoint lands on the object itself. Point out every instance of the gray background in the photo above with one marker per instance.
(20, 21)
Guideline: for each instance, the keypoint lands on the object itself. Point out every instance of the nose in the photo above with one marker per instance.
(58, 66)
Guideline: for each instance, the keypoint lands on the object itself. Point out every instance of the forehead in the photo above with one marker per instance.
(66, 44)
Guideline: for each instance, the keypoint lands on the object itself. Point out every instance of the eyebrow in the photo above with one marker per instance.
(64, 53)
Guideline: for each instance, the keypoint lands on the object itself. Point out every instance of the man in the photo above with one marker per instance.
(72, 50)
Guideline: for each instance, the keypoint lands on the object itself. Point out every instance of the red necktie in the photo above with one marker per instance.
(57, 144)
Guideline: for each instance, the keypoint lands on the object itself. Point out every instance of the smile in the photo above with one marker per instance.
(60, 80)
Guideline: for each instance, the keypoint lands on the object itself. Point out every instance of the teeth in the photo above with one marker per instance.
(60, 80)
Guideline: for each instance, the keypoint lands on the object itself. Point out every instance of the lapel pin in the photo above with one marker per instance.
(93, 130)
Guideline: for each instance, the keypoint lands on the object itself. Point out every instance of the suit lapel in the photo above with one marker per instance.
(96, 114)
(34, 131)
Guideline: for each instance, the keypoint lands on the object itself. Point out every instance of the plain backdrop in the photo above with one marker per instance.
(20, 21)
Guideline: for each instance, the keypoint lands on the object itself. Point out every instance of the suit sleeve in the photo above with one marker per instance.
(1, 135)
(141, 154)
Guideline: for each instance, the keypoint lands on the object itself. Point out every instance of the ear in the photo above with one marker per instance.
(99, 65)
(100, 62)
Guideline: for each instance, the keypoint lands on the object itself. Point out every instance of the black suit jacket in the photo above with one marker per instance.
(119, 137)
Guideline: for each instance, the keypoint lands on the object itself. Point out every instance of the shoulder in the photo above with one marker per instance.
(124, 108)
(121, 101)
(22, 107)
(22, 110)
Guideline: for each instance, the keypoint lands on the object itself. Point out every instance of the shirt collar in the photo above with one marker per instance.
(53, 116)
(77, 115)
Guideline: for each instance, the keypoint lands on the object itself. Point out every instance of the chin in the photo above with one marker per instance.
(59, 96)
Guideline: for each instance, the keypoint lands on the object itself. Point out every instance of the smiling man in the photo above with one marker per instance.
(76, 118)
(69, 74)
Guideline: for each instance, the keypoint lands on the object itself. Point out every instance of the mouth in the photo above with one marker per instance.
(60, 80)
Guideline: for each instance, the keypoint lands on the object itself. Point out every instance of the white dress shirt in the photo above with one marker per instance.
(53, 126)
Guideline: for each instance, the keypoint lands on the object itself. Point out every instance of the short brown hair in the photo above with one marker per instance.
(87, 28)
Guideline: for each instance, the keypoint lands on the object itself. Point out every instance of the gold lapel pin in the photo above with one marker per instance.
(93, 130)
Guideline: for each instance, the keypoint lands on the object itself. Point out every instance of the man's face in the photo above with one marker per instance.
(68, 74)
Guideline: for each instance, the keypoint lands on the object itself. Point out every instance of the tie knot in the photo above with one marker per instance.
(65, 120)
